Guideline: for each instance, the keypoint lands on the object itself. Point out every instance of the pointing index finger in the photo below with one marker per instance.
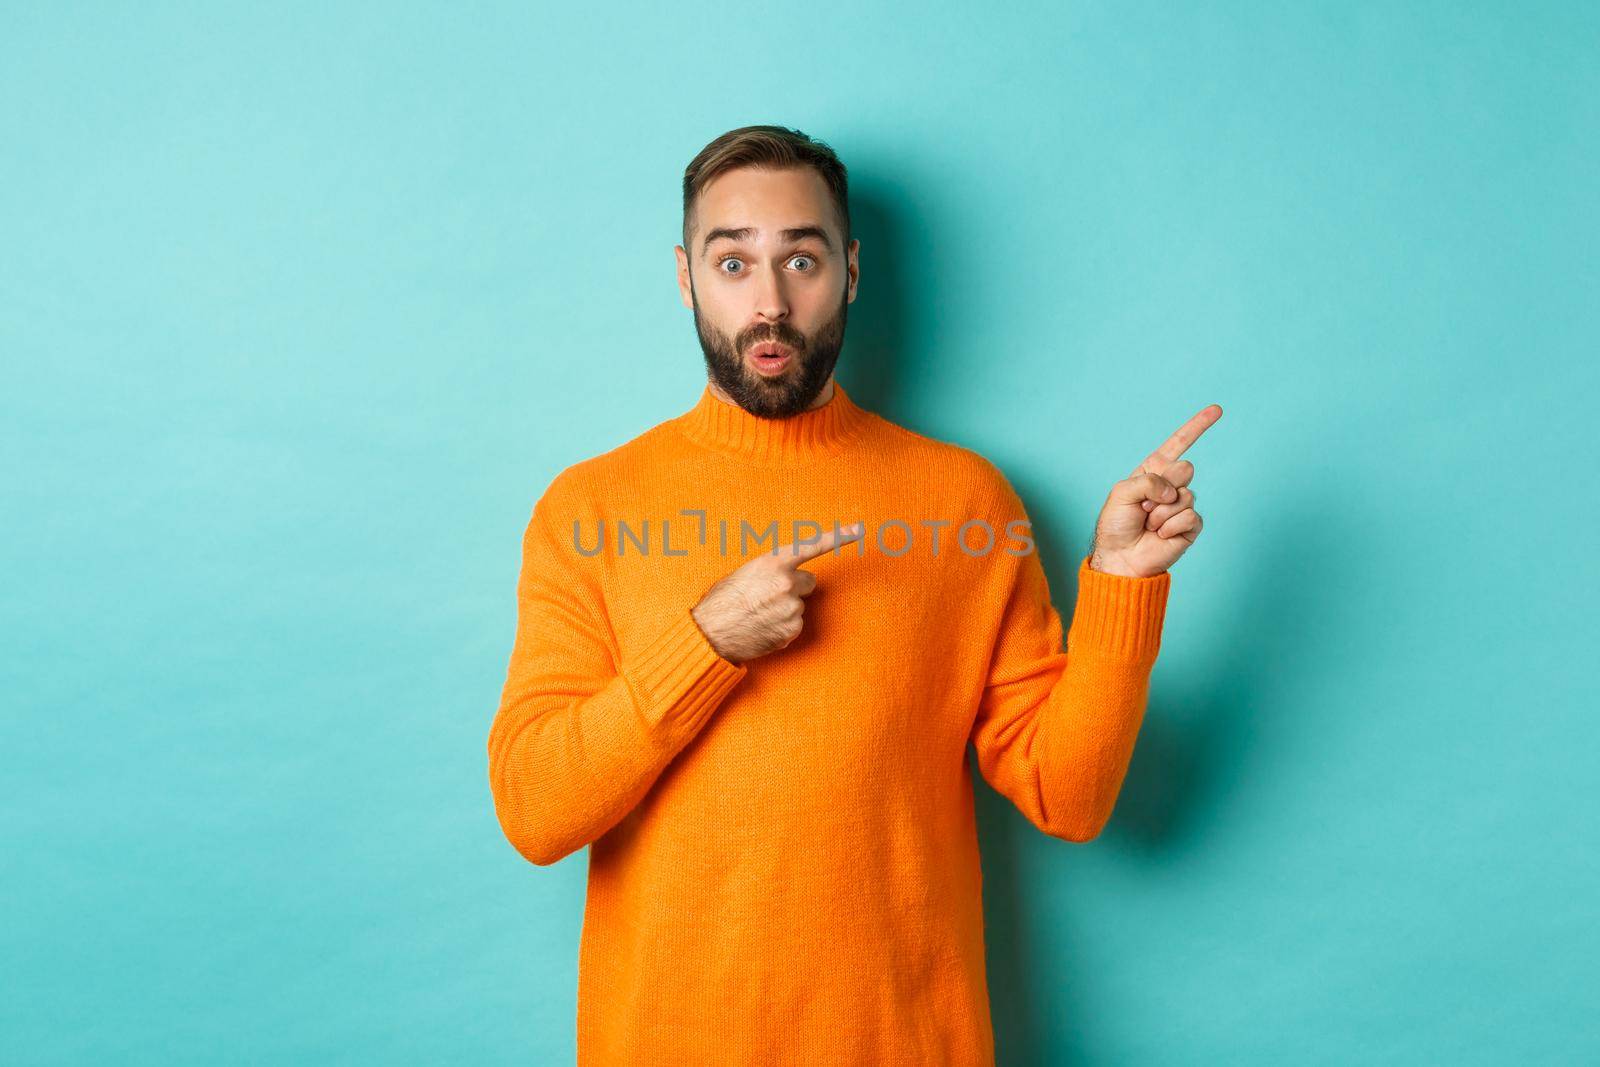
(798, 552)
(1186, 435)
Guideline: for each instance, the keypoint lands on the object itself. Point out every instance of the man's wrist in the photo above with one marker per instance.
(1105, 566)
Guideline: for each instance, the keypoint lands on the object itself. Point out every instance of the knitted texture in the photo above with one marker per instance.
(783, 855)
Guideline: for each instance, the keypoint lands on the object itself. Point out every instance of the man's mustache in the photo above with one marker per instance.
(791, 338)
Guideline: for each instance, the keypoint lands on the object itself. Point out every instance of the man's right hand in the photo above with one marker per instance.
(759, 607)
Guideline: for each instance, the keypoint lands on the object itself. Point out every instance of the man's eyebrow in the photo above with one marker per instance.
(744, 233)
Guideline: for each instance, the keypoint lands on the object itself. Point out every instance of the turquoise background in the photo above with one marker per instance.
(302, 306)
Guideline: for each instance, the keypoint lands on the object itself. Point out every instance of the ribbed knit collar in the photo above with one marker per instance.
(716, 424)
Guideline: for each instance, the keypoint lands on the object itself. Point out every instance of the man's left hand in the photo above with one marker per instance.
(1149, 519)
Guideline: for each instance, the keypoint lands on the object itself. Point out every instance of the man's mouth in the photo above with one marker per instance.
(770, 357)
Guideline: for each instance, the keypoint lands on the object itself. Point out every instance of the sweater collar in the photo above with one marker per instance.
(724, 427)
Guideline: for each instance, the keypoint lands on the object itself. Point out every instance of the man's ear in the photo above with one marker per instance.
(684, 292)
(852, 266)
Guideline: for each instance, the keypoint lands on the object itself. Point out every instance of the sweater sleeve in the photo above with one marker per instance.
(1055, 729)
(579, 738)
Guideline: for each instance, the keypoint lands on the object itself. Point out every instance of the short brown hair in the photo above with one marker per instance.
(765, 146)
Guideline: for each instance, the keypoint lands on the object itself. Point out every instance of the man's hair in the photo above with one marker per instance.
(776, 147)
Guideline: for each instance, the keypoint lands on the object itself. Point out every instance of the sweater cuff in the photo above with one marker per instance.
(1119, 615)
(679, 679)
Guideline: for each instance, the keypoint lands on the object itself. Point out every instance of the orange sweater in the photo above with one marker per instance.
(783, 861)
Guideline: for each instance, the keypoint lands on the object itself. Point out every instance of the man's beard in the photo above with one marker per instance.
(790, 392)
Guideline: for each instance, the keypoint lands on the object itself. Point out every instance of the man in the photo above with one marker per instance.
(753, 646)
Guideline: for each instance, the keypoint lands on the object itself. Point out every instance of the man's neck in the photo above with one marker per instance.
(823, 395)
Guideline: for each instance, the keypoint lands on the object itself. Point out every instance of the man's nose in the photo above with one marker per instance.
(772, 304)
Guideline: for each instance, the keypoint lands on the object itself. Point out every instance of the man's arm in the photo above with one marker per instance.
(1055, 729)
(579, 739)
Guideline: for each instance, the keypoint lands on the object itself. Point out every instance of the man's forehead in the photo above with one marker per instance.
(751, 182)
(729, 205)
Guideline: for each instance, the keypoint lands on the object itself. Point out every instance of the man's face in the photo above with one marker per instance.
(766, 265)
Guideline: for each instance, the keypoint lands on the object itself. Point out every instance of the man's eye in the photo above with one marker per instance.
(806, 257)
(728, 259)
